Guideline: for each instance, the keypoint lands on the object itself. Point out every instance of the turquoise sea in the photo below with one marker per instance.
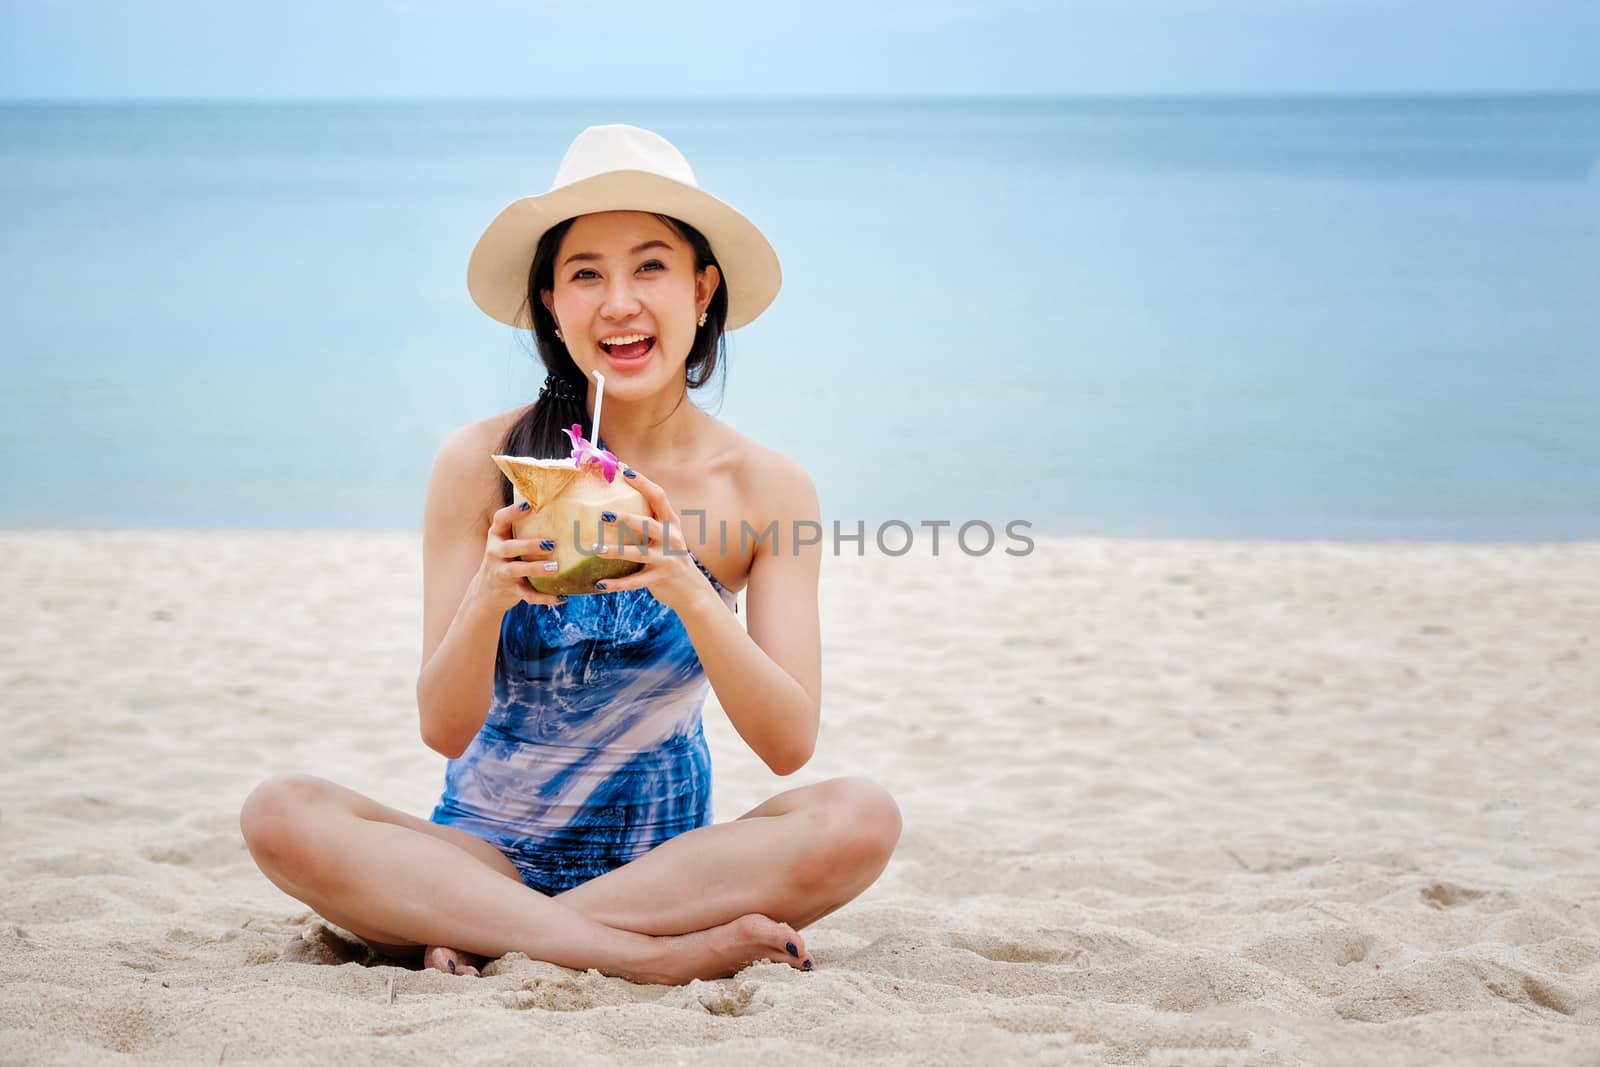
(1305, 317)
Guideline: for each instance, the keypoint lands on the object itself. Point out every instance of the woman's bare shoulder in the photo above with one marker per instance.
(481, 438)
(775, 485)
(492, 429)
(464, 469)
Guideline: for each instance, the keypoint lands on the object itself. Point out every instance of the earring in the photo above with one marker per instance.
(563, 340)
(702, 318)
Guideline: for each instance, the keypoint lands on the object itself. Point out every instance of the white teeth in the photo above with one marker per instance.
(612, 342)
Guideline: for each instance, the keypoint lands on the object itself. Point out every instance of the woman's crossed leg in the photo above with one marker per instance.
(701, 905)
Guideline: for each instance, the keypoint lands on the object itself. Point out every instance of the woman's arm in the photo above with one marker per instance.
(460, 626)
(769, 679)
(474, 570)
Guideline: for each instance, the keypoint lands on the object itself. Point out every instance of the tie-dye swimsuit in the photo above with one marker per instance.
(593, 751)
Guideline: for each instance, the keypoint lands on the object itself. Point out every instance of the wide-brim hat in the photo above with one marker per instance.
(620, 168)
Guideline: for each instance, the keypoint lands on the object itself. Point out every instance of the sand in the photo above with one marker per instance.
(1165, 802)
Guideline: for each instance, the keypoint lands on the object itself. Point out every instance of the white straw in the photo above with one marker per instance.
(599, 394)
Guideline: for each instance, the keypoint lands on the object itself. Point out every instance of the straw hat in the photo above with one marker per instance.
(620, 168)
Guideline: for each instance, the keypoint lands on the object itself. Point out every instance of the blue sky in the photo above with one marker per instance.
(698, 48)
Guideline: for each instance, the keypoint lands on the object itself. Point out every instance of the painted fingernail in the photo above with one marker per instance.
(629, 473)
(608, 516)
(599, 585)
(452, 966)
(561, 598)
(547, 544)
(806, 966)
(789, 947)
(524, 506)
(552, 565)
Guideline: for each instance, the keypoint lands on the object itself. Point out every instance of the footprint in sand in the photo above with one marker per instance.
(1444, 895)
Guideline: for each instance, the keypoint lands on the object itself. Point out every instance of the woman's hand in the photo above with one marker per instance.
(656, 540)
(508, 563)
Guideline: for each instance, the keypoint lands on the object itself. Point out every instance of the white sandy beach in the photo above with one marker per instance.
(1164, 803)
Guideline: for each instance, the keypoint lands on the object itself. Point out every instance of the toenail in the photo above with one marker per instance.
(789, 945)
(806, 966)
(452, 964)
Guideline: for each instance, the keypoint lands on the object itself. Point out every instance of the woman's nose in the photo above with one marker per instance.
(620, 300)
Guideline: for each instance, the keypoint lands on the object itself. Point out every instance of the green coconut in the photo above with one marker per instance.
(566, 503)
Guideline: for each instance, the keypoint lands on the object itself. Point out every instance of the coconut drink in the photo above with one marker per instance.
(565, 502)
(566, 498)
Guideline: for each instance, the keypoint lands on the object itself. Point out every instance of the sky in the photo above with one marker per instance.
(627, 49)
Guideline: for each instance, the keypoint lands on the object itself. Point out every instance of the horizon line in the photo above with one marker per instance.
(728, 99)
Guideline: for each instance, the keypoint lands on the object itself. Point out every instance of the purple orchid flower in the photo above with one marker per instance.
(583, 452)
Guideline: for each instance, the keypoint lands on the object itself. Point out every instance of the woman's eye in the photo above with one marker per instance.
(650, 263)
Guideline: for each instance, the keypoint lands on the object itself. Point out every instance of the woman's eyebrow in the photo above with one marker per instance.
(632, 252)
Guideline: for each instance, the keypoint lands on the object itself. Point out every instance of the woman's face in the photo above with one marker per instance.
(626, 273)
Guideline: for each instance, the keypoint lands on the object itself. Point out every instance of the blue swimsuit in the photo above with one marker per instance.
(593, 752)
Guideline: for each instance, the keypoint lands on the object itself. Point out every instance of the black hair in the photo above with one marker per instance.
(536, 433)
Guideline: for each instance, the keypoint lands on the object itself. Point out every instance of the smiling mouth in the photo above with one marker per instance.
(631, 351)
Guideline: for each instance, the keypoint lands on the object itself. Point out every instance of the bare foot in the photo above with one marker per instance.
(723, 950)
(450, 961)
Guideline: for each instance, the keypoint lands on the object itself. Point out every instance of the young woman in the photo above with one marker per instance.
(575, 823)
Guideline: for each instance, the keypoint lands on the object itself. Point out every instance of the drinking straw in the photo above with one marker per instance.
(599, 394)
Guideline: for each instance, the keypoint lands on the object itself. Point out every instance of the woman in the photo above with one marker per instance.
(575, 823)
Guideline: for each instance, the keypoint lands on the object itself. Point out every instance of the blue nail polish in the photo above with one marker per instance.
(608, 516)
(547, 544)
(599, 585)
(524, 506)
(629, 473)
(789, 947)
(806, 966)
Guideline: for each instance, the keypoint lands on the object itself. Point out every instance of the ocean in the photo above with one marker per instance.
(1333, 318)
